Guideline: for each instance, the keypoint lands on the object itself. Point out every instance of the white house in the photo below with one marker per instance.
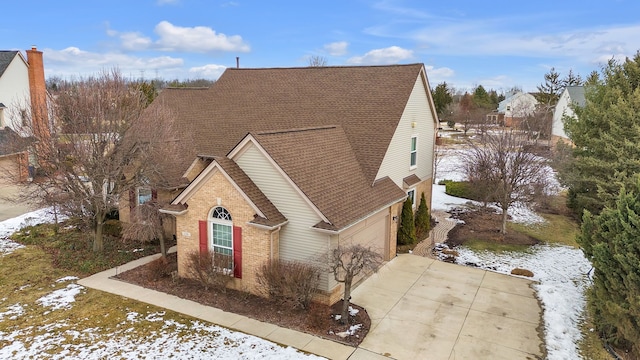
(571, 96)
(516, 107)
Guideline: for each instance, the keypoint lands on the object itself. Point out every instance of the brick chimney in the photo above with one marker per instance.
(38, 94)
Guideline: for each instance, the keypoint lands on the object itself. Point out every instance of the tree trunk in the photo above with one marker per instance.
(345, 302)
(163, 246)
(503, 229)
(98, 240)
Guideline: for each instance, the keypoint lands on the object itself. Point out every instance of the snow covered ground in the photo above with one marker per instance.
(67, 340)
(561, 271)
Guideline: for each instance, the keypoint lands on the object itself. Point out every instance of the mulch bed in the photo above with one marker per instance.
(318, 320)
(484, 224)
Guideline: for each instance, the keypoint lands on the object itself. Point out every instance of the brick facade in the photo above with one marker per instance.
(257, 244)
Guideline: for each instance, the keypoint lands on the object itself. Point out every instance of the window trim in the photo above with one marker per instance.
(413, 153)
(226, 221)
(412, 191)
(138, 195)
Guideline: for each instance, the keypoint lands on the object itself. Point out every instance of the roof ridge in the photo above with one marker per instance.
(323, 67)
(295, 130)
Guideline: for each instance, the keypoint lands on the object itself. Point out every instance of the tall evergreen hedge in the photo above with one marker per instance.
(407, 228)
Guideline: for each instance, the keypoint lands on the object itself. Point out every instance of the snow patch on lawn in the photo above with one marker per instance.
(13, 312)
(9, 226)
(61, 298)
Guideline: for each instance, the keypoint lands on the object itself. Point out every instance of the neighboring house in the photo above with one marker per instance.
(515, 108)
(13, 157)
(571, 96)
(23, 98)
(287, 163)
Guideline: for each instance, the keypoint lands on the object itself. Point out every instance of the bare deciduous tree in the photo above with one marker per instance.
(346, 262)
(317, 60)
(504, 171)
(97, 140)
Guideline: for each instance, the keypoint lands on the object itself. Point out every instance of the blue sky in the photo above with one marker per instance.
(499, 44)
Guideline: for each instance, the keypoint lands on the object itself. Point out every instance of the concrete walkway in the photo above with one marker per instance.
(103, 281)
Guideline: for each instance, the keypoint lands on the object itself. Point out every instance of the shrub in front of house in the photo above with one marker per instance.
(291, 283)
(160, 268)
(112, 227)
(423, 220)
(407, 227)
(210, 269)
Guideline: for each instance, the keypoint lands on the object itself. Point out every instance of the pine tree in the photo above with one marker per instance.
(407, 228)
(442, 98)
(605, 133)
(610, 241)
(423, 222)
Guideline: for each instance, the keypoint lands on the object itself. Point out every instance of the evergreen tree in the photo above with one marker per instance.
(407, 228)
(481, 98)
(572, 79)
(606, 133)
(610, 242)
(549, 92)
(423, 221)
(442, 98)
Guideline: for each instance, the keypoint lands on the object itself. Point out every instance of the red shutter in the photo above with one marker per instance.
(204, 239)
(154, 195)
(237, 252)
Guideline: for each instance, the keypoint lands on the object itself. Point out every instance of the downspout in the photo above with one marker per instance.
(271, 242)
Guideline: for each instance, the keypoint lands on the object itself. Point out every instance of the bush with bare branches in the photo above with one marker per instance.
(346, 262)
(210, 269)
(292, 283)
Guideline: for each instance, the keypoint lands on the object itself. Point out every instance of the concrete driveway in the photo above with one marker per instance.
(9, 209)
(421, 308)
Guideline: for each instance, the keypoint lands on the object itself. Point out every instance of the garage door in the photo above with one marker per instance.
(8, 170)
(372, 232)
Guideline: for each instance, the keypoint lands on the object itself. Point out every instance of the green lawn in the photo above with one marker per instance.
(557, 229)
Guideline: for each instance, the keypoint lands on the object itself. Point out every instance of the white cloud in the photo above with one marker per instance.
(587, 45)
(337, 48)
(443, 72)
(74, 62)
(167, 2)
(196, 39)
(134, 41)
(208, 71)
(390, 55)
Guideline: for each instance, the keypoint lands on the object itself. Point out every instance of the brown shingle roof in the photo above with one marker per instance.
(367, 101)
(345, 116)
(272, 216)
(321, 162)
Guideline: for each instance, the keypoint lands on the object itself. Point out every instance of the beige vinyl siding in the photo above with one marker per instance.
(396, 162)
(297, 240)
(371, 232)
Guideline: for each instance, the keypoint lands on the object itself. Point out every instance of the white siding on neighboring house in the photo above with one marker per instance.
(562, 109)
(297, 240)
(416, 120)
(14, 91)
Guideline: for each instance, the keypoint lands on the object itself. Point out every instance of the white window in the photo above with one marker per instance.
(221, 236)
(144, 195)
(412, 196)
(414, 152)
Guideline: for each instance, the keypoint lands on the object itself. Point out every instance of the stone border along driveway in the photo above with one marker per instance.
(420, 308)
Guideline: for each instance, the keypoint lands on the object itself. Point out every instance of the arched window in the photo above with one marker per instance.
(221, 236)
